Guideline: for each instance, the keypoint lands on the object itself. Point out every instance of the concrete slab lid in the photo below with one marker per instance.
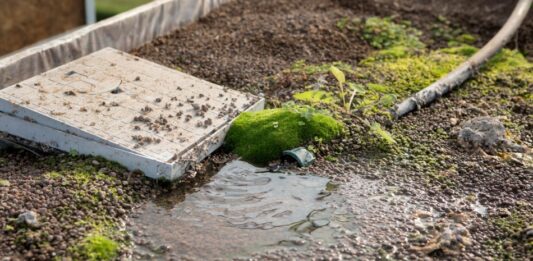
(123, 103)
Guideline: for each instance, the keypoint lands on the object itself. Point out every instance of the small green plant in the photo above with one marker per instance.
(9, 228)
(300, 66)
(342, 23)
(357, 89)
(331, 158)
(341, 81)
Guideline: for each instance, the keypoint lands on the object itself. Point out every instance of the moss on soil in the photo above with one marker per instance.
(316, 97)
(383, 33)
(4, 183)
(403, 66)
(513, 227)
(380, 138)
(260, 137)
(301, 66)
(80, 174)
(385, 81)
(444, 31)
(103, 242)
(512, 224)
(98, 247)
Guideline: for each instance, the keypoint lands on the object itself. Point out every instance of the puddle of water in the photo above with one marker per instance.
(243, 210)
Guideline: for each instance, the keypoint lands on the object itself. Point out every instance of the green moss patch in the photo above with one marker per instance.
(386, 81)
(510, 65)
(315, 97)
(513, 226)
(84, 170)
(4, 183)
(400, 67)
(394, 52)
(383, 33)
(411, 73)
(301, 66)
(463, 50)
(97, 247)
(444, 31)
(260, 137)
(92, 183)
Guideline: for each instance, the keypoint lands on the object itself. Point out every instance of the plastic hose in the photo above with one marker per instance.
(468, 68)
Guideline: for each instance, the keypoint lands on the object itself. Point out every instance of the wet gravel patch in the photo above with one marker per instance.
(68, 198)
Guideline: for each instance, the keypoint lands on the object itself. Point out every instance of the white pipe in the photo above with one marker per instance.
(90, 12)
(468, 68)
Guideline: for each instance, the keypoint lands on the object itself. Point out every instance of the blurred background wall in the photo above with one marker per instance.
(24, 22)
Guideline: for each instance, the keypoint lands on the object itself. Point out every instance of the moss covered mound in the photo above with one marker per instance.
(260, 137)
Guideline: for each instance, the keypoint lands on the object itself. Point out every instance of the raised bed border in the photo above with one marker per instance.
(124, 32)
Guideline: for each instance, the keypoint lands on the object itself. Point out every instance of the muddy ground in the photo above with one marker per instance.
(243, 45)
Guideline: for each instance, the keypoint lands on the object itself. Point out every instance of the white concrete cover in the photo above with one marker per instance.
(109, 103)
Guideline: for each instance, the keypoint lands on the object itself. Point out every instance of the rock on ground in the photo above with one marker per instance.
(28, 218)
(486, 132)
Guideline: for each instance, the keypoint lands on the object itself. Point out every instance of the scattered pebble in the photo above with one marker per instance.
(28, 218)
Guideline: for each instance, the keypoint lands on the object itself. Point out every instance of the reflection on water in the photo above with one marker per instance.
(242, 210)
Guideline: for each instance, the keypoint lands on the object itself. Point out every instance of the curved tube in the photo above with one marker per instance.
(468, 68)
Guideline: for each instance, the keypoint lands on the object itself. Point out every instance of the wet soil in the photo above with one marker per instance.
(63, 204)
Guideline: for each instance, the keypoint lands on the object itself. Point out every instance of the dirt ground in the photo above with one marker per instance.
(25, 23)
(243, 45)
